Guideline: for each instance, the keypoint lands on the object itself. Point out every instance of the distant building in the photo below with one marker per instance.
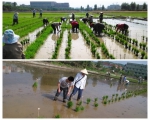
(114, 7)
(48, 5)
(136, 69)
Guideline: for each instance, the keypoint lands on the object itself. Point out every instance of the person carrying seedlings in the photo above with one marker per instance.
(79, 84)
(15, 18)
(41, 11)
(65, 85)
(122, 28)
(56, 25)
(45, 21)
(75, 25)
(12, 48)
(101, 17)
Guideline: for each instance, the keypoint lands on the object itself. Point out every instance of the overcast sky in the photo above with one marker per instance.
(79, 3)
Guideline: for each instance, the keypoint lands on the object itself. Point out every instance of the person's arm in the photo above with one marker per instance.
(69, 89)
(84, 82)
(59, 87)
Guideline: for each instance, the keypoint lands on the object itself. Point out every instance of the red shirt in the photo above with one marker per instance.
(74, 23)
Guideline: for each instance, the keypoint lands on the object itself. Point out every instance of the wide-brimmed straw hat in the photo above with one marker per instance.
(10, 37)
(84, 71)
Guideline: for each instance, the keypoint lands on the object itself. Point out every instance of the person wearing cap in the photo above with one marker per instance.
(41, 11)
(56, 25)
(101, 17)
(79, 84)
(65, 85)
(15, 18)
(12, 48)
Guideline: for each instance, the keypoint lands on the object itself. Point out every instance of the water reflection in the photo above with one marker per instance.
(75, 36)
(55, 37)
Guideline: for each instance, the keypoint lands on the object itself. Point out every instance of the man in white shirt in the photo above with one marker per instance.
(79, 84)
(65, 84)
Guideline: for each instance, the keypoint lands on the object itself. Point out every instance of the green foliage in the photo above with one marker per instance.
(57, 116)
(77, 109)
(35, 85)
(88, 100)
(70, 104)
(96, 104)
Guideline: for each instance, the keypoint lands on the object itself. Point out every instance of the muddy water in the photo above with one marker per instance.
(118, 50)
(31, 36)
(20, 100)
(63, 46)
(136, 31)
(47, 49)
(79, 49)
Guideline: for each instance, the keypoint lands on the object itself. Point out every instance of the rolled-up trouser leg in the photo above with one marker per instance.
(73, 92)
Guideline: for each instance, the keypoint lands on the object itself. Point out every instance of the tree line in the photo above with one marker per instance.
(8, 6)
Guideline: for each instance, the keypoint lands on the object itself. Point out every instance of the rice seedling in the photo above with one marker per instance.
(77, 109)
(35, 84)
(96, 104)
(82, 108)
(88, 100)
(57, 116)
(95, 99)
(70, 104)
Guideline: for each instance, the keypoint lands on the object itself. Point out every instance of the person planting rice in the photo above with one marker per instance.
(79, 84)
(122, 28)
(75, 25)
(65, 85)
(56, 25)
(45, 21)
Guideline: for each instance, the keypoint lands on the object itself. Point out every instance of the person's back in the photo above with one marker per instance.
(73, 23)
(12, 49)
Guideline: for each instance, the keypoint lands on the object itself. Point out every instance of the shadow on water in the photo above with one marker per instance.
(21, 100)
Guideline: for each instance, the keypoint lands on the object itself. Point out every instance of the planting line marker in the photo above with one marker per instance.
(38, 111)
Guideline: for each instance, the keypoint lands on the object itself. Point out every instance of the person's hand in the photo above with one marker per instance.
(59, 90)
(68, 94)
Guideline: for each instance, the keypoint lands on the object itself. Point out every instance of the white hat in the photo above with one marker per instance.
(84, 71)
(10, 37)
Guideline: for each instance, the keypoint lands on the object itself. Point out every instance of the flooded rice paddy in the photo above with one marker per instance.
(79, 50)
(21, 100)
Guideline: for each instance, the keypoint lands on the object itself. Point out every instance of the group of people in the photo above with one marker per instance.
(66, 84)
(34, 13)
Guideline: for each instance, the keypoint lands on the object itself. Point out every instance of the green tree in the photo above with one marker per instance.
(95, 7)
(144, 6)
(137, 7)
(14, 4)
(133, 6)
(88, 8)
(103, 8)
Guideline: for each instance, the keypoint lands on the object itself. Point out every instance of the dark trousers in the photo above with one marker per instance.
(54, 28)
(33, 14)
(75, 91)
(65, 91)
(15, 21)
(76, 27)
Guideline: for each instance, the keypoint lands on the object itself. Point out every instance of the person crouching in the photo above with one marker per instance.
(56, 25)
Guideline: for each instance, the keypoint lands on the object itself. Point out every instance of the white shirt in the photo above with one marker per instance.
(63, 82)
(80, 84)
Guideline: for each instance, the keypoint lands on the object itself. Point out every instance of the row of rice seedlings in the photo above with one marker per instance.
(25, 41)
(124, 41)
(33, 48)
(67, 50)
(59, 41)
(124, 95)
(90, 43)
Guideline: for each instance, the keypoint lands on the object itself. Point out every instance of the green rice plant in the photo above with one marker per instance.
(95, 99)
(35, 84)
(96, 104)
(105, 102)
(57, 116)
(70, 104)
(77, 109)
(109, 101)
(82, 108)
(88, 100)
(80, 103)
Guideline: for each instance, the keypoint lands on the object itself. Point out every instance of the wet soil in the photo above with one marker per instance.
(21, 100)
